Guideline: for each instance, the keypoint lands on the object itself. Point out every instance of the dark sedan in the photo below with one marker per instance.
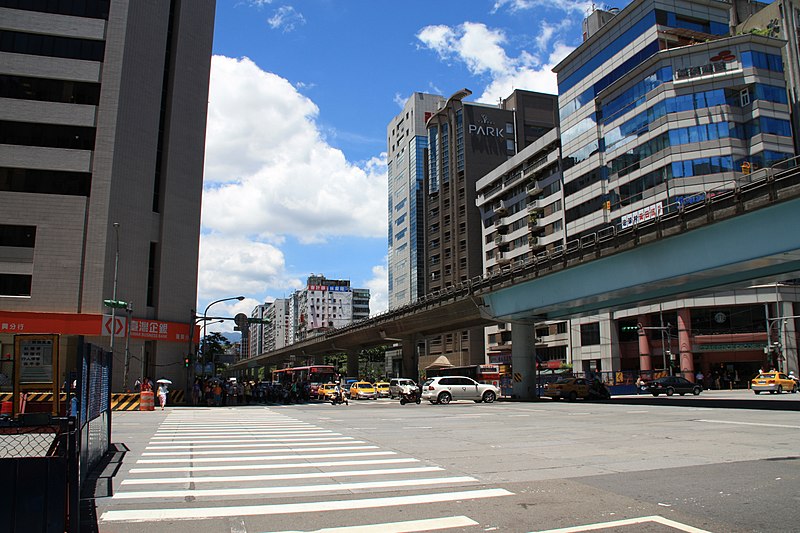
(670, 385)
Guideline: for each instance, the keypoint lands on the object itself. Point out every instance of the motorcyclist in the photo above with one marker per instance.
(338, 396)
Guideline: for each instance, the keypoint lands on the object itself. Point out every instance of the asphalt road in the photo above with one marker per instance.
(507, 466)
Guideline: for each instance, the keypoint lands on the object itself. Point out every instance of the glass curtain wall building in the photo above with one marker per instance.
(407, 144)
(660, 108)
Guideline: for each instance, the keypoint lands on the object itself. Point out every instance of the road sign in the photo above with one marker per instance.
(241, 320)
(119, 325)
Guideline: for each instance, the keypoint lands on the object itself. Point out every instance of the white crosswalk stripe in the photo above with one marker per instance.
(233, 463)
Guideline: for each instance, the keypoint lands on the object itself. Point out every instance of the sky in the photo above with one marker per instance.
(301, 92)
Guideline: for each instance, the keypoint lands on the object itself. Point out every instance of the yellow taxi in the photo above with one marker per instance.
(382, 389)
(324, 391)
(568, 388)
(363, 390)
(773, 382)
(574, 388)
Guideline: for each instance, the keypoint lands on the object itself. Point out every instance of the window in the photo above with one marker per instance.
(590, 334)
(84, 8)
(17, 236)
(45, 181)
(70, 92)
(15, 285)
(151, 275)
(46, 135)
(744, 97)
(18, 42)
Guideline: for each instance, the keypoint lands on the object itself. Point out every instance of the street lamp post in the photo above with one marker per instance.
(205, 318)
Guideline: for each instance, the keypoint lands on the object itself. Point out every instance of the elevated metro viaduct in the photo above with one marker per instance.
(748, 235)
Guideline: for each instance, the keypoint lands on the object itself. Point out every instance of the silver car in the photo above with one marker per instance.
(443, 389)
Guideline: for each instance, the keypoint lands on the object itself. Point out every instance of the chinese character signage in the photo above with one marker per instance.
(329, 288)
(642, 215)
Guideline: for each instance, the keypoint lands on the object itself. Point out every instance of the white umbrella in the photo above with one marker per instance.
(165, 381)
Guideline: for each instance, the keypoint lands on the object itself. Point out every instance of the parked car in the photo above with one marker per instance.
(362, 390)
(443, 389)
(397, 384)
(382, 389)
(773, 382)
(574, 388)
(669, 385)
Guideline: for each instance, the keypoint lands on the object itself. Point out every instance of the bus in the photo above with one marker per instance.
(315, 375)
(481, 373)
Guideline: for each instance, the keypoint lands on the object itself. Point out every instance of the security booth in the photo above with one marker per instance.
(36, 370)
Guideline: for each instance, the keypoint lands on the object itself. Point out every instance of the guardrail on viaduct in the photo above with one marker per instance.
(760, 189)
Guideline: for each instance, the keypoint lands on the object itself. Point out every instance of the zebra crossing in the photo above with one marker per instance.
(203, 465)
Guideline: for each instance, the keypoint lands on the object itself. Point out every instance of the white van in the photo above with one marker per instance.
(396, 384)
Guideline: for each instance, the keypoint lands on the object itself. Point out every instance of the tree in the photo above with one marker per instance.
(214, 345)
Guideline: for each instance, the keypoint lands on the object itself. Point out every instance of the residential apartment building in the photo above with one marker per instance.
(102, 131)
(326, 304)
(522, 215)
(277, 329)
(407, 143)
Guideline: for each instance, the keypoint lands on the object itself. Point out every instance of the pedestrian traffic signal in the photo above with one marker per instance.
(629, 328)
(186, 361)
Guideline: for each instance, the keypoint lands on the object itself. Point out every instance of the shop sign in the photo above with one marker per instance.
(728, 347)
(642, 215)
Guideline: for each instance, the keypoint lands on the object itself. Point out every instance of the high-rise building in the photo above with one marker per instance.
(407, 142)
(102, 131)
(521, 209)
(277, 327)
(466, 141)
(661, 108)
(326, 304)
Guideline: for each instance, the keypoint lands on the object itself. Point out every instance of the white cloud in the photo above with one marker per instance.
(269, 173)
(286, 18)
(270, 176)
(378, 287)
(235, 264)
(481, 50)
(583, 7)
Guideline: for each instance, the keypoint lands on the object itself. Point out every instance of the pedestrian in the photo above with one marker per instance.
(698, 378)
(639, 385)
(162, 395)
(196, 392)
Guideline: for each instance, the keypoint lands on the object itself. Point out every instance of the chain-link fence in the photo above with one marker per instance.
(29, 441)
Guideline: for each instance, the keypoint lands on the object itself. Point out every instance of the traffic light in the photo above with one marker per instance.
(186, 361)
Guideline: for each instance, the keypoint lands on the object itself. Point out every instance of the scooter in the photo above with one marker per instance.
(409, 395)
(338, 398)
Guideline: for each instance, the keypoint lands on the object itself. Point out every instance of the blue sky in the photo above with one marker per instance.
(300, 96)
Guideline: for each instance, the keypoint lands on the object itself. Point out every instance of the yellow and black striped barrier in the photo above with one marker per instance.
(177, 396)
(125, 401)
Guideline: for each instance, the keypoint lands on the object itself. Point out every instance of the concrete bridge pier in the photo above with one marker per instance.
(410, 346)
(352, 363)
(523, 360)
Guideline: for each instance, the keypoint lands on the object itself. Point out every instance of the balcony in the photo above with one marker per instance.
(533, 188)
(535, 207)
(534, 243)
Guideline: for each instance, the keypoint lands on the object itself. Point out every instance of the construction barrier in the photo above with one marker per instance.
(6, 408)
(146, 401)
(177, 396)
(125, 402)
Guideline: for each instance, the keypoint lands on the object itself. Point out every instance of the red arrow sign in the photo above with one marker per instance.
(119, 326)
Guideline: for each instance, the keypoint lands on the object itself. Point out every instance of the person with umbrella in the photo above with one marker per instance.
(163, 391)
